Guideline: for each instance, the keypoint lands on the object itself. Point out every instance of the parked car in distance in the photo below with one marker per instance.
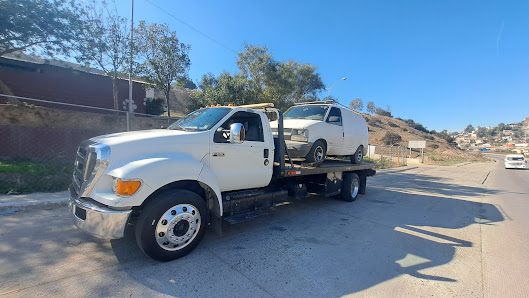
(515, 161)
(318, 129)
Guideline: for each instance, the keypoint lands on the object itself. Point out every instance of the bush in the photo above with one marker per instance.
(382, 112)
(429, 137)
(391, 138)
(154, 106)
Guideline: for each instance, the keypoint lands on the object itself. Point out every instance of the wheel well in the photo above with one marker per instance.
(324, 142)
(190, 185)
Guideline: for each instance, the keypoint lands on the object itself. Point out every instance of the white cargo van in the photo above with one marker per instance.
(318, 129)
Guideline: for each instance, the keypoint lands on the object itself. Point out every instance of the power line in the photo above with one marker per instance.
(193, 28)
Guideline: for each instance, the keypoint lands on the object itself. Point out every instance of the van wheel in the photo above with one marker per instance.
(358, 156)
(350, 187)
(172, 225)
(317, 153)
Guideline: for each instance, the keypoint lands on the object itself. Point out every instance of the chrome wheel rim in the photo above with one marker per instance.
(177, 227)
(355, 186)
(318, 153)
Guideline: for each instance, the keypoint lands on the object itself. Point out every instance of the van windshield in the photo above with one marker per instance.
(515, 158)
(312, 112)
(200, 120)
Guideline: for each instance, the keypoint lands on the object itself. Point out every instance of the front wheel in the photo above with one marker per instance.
(350, 187)
(317, 153)
(172, 225)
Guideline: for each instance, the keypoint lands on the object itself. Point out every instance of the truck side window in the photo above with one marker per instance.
(252, 125)
(335, 117)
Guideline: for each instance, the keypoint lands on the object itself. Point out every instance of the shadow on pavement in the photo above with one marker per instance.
(312, 247)
(322, 246)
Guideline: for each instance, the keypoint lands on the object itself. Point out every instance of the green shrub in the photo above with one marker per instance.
(154, 106)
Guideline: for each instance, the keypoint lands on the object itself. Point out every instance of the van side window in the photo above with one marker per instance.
(335, 117)
(252, 125)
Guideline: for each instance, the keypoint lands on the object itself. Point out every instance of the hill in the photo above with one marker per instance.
(438, 151)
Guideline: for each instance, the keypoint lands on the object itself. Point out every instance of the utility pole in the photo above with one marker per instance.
(130, 111)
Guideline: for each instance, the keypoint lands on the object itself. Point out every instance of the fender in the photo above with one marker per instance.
(155, 172)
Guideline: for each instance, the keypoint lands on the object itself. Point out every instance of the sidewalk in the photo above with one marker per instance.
(14, 203)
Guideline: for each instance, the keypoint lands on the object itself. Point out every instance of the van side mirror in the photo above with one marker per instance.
(334, 119)
(237, 133)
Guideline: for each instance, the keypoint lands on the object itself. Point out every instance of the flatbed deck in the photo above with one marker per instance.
(326, 166)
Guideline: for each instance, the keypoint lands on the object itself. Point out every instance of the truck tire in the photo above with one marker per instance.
(358, 156)
(317, 153)
(350, 187)
(171, 225)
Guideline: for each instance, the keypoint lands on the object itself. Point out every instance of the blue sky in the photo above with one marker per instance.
(444, 64)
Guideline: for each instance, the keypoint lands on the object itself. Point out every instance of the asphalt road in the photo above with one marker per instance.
(431, 231)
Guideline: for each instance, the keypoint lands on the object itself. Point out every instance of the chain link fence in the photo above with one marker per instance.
(387, 156)
(38, 144)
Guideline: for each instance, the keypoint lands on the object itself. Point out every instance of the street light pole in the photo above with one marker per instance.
(329, 89)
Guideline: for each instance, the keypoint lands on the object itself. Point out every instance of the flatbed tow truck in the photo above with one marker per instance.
(169, 185)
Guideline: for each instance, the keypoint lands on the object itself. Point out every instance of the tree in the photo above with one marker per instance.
(282, 83)
(371, 107)
(163, 59)
(391, 138)
(481, 132)
(186, 83)
(356, 104)
(382, 112)
(53, 26)
(469, 128)
(261, 79)
(224, 90)
(106, 43)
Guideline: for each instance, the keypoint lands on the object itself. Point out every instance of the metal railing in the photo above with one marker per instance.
(39, 140)
(387, 156)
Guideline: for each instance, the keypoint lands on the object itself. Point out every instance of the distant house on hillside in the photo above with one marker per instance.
(58, 81)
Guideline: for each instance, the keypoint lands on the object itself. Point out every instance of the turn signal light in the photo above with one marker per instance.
(126, 188)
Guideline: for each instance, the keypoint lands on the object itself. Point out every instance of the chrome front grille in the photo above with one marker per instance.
(287, 132)
(92, 159)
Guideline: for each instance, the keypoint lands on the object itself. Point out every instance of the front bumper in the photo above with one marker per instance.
(98, 220)
(298, 149)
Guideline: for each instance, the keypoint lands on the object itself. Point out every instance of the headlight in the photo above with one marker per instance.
(301, 135)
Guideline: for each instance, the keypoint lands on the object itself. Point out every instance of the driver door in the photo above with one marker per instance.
(244, 165)
(335, 136)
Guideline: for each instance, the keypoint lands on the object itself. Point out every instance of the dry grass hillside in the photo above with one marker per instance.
(438, 151)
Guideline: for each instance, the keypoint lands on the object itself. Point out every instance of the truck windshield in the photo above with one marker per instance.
(515, 158)
(200, 120)
(312, 112)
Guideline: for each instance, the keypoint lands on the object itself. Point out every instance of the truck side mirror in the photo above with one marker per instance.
(237, 133)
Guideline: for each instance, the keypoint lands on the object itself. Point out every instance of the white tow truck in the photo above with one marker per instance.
(216, 165)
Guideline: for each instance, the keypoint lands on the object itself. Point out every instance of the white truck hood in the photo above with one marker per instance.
(157, 141)
(295, 123)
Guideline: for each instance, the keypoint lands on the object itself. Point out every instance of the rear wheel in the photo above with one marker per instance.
(358, 156)
(317, 153)
(172, 225)
(350, 187)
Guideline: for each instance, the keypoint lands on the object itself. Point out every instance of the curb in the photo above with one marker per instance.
(12, 207)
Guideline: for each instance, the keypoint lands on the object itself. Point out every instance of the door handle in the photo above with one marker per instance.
(265, 153)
